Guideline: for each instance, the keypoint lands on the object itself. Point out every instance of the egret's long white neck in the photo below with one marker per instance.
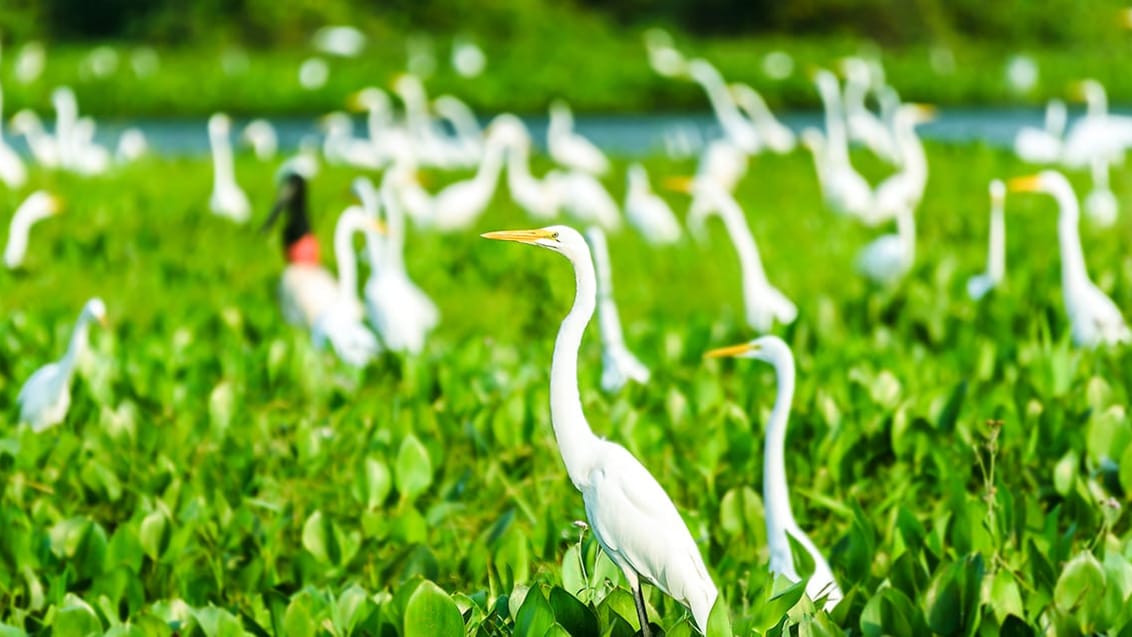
(77, 345)
(223, 170)
(726, 111)
(573, 433)
(395, 226)
(750, 263)
(996, 252)
(611, 334)
(347, 260)
(18, 229)
(776, 493)
(906, 230)
(491, 164)
(518, 164)
(836, 144)
(1073, 272)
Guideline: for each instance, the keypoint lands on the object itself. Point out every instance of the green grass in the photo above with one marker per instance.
(528, 68)
(215, 474)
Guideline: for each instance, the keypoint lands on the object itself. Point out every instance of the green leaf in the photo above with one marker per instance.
(154, 535)
(1080, 588)
(1126, 469)
(378, 482)
(217, 622)
(535, 616)
(572, 614)
(558, 631)
(891, 612)
(719, 619)
(76, 617)
(432, 613)
(319, 539)
(950, 414)
(1065, 472)
(414, 469)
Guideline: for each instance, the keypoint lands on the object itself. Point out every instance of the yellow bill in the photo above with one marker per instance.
(522, 236)
(1029, 183)
(679, 183)
(732, 350)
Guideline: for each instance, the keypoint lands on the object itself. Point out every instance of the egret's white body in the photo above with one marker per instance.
(228, 199)
(888, 258)
(340, 323)
(905, 189)
(781, 526)
(776, 136)
(37, 206)
(631, 516)
(46, 396)
(569, 148)
(44, 146)
(664, 58)
(459, 205)
(539, 197)
(585, 198)
(980, 284)
(261, 136)
(763, 302)
(1099, 134)
(844, 190)
(861, 124)
(467, 147)
(1043, 145)
(341, 147)
(618, 364)
(1101, 206)
(647, 212)
(379, 119)
(736, 129)
(1094, 319)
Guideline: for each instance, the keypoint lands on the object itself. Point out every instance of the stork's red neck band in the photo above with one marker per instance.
(304, 251)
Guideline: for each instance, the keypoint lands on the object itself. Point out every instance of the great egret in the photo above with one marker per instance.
(261, 136)
(401, 313)
(379, 117)
(633, 519)
(980, 284)
(46, 395)
(585, 198)
(38, 205)
(780, 522)
(889, 257)
(618, 364)
(647, 212)
(764, 303)
(861, 124)
(340, 146)
(844, 190)
(736, 129)
(771, 132)
(570, 149)
(905, 189)
(1097, 134)
(467, 147)
(664, 58)
(1043, 145)
(1094, 319)
(458, 205)
(44, 146)
(1101, 206)
(12, 170)
(340, 323)
(539, 197)
(228, 199)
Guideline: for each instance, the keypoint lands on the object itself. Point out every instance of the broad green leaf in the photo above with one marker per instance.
(1065, 472)
(319, 539)
(154, 534)
(1080, 590)
(432, 613)
(535, 616)
(572, 614)
(217, 622)
(414, 469)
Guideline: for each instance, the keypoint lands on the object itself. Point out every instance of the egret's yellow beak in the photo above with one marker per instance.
(679, 183)
(1029, 183)
(55, 204)
(521, 236)
(925, 112)
(732, 350)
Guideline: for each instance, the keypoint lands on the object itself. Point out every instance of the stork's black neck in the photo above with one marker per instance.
(294, 202)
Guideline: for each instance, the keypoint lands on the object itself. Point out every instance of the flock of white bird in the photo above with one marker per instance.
(630, 514)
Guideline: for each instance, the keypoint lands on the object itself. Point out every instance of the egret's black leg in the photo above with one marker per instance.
(639, 598)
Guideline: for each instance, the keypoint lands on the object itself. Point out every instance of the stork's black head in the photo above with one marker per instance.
(292, 198)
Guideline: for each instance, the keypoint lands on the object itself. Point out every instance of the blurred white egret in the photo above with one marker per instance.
(844, 190)
(585, 198)
(781, 526)
(632, 518)
(467, 146)
(1043, 145)
(44, 146)
(38, 205)
(888, 258)
(1094, 319)
(1097, 134)
(468, 58)
(980, 284)
(721, 165)
(539, 197)
(764, 304)
(340, 323)
(737, 129)
(260, 135)
(12, 170)
(567, 147)
(46, 396)
(862, 125)
(340, 146)
(647, 212)
(1101, 206)
(905, 189)
(771, 132)
(664, 58)
(458, 205)
(131, 146)
(228, 199)
(618, 364)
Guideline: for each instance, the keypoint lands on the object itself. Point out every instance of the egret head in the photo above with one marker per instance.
(997, 190)
(1046, 181)
(96, 310)
(562, 239)
(219, 124)
(770, 349)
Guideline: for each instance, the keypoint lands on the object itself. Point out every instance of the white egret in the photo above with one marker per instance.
(889, 257)
(647, 212)
(467, 146)
(538, 197)
(664, 58)
(228, 199)
(44, 147)
(1101, 206)
(458, 205)
(400, 311)
(585, 198)
(1097, 134)
(1094, 319)
(844, 190)
(861, 124)
(980, 284)
(1043, 145)
(131, 146)
(773, 133)
(66, 114)
(618, 364)
(340, 146)
(37, 206)
(12, 170)
(905, 189)
(340, 323)
(569, 148)
(763, 303)
(261, 136)
(46, 396)
(632, 518)
(379, 117)
(468, 59)
(736, 129)
(780, 523)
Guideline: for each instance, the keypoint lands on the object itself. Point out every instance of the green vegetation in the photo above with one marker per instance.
(965, 468)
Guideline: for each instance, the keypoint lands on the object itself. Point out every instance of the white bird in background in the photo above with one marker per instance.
(888, 258)
(905, 189)
(736, 129)
(12, 170)
(228, 199)
(764, 304)
(340, 323)
(460, 204)
(1094, 319)
(570, 149)
(862, 125)
(618, 364)
(781, 526)
(401, 312)
(1101, 206)
(46, 396)
(1097, 134)
(777, 137)
(44, 147)
(468, 59)
(38, 205)
(585, 198)
(1043, 145)
(980, 284)
(378, 107)
(131, 146)
(538, 197)
(664, 58)
(647, 212)
(721, 165)
(467, 147)
(260, 135)
(631, 516)
(340, 146)
(66, 114)
(844, 190)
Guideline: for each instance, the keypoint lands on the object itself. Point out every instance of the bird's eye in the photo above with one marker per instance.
(554, 236)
